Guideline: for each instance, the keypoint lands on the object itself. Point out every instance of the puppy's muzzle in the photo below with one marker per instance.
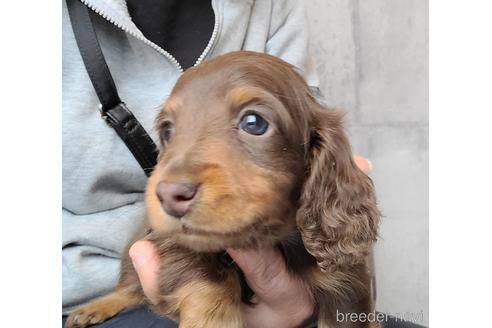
(177, 198)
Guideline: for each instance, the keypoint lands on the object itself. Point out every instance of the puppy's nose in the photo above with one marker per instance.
(176, 197)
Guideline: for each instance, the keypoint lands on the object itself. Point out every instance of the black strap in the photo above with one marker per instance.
(113, 110)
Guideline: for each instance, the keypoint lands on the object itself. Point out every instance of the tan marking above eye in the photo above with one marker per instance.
(172, 103)
(169, 108)
(242, 96)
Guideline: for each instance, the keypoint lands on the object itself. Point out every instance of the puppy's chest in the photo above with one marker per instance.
(180, 266)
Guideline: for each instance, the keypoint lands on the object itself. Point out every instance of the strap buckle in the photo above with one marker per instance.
(104, 116)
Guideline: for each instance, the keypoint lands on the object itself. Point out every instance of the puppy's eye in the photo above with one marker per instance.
(253, 124)
(167, 131)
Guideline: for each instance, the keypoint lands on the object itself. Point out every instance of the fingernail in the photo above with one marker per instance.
(138, 259)
(369, 166)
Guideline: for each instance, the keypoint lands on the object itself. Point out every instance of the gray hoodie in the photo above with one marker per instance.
(103, 184)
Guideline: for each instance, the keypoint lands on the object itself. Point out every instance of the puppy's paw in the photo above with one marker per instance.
(91, 314)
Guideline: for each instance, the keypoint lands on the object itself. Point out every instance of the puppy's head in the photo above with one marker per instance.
(247, 154)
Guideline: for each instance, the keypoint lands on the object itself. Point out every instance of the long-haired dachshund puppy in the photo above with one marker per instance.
(249, 158)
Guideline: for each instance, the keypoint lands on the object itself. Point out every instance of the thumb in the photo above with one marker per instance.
(264, 270)
(363, 164)
(145, 261)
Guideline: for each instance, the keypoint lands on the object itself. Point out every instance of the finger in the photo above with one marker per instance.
(264, 270)
(363, 164)
(145, 261)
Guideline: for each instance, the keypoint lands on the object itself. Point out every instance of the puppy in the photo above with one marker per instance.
(249, 158)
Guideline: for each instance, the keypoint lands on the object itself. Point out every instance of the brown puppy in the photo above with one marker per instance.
(249, 158)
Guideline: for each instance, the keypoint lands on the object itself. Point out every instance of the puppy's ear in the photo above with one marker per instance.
(338, 216)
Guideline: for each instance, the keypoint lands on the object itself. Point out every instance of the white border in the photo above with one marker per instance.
(460, 166)
(30, 136)
(460, 163)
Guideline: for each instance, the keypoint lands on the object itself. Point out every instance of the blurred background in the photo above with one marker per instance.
(372, 58)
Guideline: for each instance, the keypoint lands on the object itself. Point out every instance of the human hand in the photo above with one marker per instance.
(281, 300)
